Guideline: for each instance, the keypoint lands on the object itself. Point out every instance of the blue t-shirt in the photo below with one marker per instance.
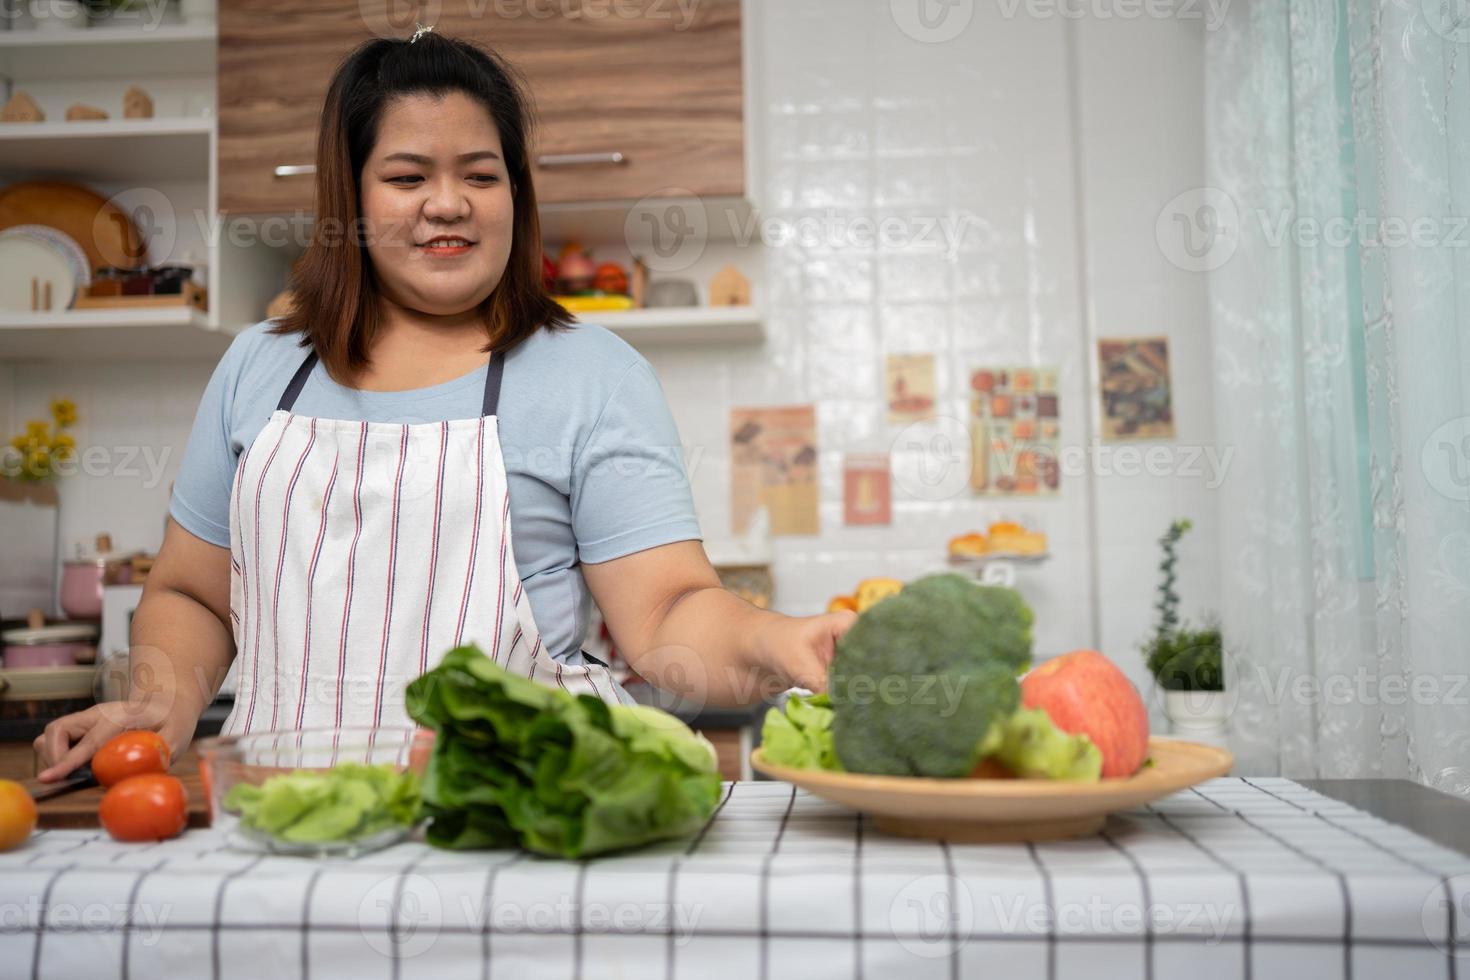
(592, 455)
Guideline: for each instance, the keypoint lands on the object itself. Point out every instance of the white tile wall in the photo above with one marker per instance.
(862, 121)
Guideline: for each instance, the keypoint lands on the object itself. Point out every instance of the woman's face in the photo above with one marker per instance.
(437, 172)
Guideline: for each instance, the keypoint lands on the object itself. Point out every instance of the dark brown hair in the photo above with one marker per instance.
(335, 293)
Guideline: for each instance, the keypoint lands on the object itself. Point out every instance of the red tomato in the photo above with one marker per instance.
(152, 806)
(17, 814)
(130, 754)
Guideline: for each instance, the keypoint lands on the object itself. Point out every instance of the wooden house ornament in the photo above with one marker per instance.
(137, 104)
(21, 108)
(729, 288)
(80, 112)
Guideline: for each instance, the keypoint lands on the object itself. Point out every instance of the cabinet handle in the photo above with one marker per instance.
(551, 161)
(296, 170)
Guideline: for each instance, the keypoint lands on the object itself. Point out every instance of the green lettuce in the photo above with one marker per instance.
(801, 736)
(517, 763)
(347, 802)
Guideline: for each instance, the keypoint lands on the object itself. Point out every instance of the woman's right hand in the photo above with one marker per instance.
(72, 739)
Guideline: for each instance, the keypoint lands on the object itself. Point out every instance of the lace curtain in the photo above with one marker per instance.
(1339, 169)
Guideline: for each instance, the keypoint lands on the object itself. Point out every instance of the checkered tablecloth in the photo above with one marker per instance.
(1240, 878)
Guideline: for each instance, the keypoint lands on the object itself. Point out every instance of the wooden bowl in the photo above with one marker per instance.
(983, 811)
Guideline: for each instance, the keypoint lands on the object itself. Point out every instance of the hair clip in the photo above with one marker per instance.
(419, 31)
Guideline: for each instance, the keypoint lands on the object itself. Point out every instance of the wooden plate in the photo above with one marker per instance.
(1005, 810)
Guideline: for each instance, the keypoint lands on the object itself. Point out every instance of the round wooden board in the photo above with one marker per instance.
(103, 230)
(1005, 810)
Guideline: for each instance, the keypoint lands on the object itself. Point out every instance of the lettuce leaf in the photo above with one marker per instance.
(801, 736)
(521, 764)
(347, 802)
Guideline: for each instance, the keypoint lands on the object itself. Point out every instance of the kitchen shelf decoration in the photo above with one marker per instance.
(105, 129)
(994, 557)
(1187, 664)
(33, 455)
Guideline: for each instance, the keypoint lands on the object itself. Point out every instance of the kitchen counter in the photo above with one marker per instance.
(1239, 877)
(1429, 813)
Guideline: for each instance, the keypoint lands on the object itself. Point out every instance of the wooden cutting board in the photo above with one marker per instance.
(78, 809)
(103, 230)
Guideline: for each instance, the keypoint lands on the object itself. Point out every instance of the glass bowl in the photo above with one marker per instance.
(227, 761)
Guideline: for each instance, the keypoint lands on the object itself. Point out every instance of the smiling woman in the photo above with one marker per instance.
(427, 453)
(429, 142)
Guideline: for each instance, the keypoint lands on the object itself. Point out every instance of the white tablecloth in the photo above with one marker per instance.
(1250, 878)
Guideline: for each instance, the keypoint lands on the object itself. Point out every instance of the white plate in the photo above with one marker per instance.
(62, 242)
(23, 258)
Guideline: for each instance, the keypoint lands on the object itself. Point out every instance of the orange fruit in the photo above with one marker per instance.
(17, 814)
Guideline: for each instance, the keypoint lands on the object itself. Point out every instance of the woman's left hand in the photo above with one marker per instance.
(798, 649)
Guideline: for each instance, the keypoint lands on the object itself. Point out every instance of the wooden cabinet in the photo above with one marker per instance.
(635, 78)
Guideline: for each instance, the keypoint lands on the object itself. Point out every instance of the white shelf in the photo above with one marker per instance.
(108, 149)
(165, 50)
(684, 325)
(110, 335)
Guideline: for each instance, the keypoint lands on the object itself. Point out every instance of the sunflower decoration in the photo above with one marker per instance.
(33, 455)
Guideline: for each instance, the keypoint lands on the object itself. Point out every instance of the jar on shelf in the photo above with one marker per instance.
(168, 280)
(108, 281)
(138, 283)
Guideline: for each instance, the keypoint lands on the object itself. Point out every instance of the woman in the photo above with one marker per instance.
(426, 452)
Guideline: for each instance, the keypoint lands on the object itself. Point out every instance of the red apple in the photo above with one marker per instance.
(1085, 692)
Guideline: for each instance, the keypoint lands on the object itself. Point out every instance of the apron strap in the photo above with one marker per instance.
(491, 402)
(492, 384)
(298, 381)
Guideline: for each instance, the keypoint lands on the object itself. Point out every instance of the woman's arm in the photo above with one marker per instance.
(674, 623)
(181, 646)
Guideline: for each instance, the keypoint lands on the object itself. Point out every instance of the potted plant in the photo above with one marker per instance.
(1187, 664)
(48, 15)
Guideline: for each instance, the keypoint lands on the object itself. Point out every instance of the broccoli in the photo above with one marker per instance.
(922, 682)
(1032, 747)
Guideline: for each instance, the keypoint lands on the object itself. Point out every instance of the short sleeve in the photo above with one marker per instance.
(201, 497)
(629, 489)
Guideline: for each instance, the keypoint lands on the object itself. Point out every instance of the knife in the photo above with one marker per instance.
(79, 778)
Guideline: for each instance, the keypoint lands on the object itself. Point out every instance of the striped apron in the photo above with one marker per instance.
(361, 552)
